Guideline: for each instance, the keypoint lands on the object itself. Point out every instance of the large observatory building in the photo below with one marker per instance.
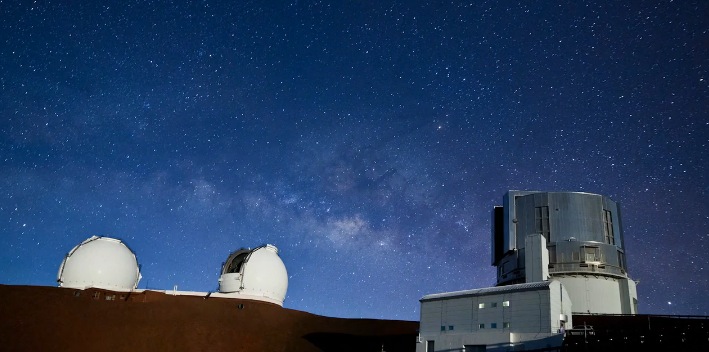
(571, 237)
(557, 254)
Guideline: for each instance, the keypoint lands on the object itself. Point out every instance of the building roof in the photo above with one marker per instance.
(532, 286)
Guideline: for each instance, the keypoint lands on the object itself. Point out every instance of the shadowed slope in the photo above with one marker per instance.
(37, 318)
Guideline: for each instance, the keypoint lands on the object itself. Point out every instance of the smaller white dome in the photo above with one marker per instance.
(259, 272)
(100, 262)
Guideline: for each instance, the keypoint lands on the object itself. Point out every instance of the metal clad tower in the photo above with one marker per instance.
(573, 237)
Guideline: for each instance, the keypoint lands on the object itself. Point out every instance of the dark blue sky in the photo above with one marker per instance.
(367, 140)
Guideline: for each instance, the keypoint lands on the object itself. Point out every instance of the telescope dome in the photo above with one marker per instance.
(257, 272)
(100, 262)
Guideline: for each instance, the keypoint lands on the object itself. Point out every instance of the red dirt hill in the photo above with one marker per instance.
(39, 318)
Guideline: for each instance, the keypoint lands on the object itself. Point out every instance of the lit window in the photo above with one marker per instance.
(505, 303)
(481, 326)
(506, 325)
(481, 305)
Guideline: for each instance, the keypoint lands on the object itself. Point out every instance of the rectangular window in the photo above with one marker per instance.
(506, 325)
(443, 328)
(481, 326)
(505, 303)
(493, 305)
(481, 305)
(493, 325)
(541, 219)
(450, 327)
(621, 263)
(608, 226)
(590, 254)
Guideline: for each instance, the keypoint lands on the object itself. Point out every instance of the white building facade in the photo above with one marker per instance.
(515, 317)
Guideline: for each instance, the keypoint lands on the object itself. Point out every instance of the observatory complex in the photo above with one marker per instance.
(562, 284)
(557, 254)
(98, 307)
(108, 263)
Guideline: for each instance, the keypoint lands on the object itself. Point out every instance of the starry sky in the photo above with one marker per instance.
(367, 140)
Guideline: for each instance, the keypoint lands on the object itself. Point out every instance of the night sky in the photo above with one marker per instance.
(367, 140)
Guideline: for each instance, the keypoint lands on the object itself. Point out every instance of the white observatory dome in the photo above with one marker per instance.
(259, 273)
(100, 262)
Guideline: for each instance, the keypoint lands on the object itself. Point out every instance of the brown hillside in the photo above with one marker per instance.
(37, 318)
